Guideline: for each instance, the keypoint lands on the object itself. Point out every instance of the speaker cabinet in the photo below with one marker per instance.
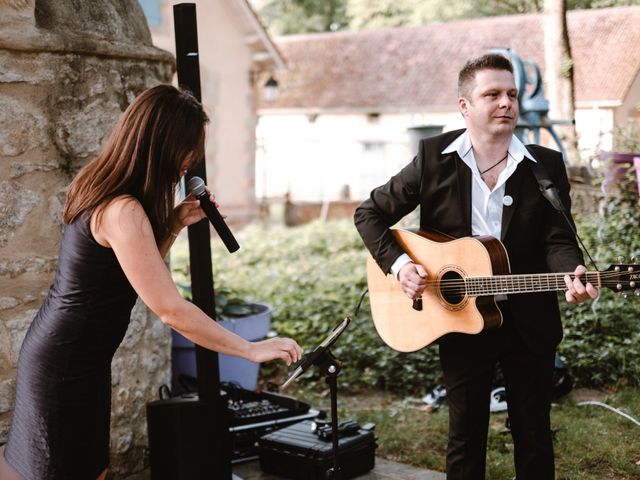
(180, 445)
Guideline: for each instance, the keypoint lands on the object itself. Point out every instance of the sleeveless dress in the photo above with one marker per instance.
(60, 424)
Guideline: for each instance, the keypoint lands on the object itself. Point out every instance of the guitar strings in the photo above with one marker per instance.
(518, 281)
(525, 276)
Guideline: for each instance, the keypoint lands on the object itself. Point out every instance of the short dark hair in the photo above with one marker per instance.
(489, 61)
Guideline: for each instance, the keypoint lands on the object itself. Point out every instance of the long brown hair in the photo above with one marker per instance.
(161, 129)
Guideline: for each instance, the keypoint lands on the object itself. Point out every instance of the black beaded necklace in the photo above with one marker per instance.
(495, 164)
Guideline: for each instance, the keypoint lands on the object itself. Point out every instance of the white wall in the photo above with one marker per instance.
(313, 159)
(594, 127)
(228, 97)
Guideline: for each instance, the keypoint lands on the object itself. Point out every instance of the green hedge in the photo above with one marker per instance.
(313, 276)
(602, 338)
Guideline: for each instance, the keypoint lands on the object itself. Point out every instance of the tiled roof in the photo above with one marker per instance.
(410, 68)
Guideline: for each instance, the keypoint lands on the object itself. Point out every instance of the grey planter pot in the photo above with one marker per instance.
(253, 328)
(232, 369)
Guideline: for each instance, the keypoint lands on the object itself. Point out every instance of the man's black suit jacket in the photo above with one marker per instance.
(536, 236)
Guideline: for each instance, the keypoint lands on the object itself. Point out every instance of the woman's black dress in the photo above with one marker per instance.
(60, 425)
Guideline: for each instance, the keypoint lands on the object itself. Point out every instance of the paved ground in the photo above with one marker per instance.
(384, 470)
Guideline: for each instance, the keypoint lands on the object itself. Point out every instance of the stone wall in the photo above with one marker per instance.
(68, 68)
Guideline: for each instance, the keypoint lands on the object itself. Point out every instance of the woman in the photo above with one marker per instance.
(119, 224)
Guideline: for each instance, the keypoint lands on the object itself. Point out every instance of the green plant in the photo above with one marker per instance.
(626, 137)
(313, 276)
(229, 303)
(602, 338)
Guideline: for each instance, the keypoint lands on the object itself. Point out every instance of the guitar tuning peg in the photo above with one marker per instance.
(625, 294)
(620, 259)
(633, 259)
(637, 292)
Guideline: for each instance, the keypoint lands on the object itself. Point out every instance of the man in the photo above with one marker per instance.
(479, 181)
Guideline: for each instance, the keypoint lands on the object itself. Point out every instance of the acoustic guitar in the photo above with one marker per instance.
(464, 276)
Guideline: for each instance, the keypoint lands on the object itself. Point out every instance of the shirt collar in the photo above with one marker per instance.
(462, 145)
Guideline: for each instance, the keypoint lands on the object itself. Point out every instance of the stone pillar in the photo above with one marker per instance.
(68, 68)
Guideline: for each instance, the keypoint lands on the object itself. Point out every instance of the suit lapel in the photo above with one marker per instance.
(512, 189)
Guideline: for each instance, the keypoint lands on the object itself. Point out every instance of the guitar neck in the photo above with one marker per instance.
(526, 283)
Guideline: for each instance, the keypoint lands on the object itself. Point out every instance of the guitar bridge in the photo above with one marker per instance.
(417, 304)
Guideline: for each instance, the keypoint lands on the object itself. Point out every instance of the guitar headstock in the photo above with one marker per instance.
(621, 277)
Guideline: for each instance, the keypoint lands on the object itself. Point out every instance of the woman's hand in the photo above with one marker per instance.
(189, 212)
(274, 348)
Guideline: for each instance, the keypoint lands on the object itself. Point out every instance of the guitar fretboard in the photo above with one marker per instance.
(539, 282)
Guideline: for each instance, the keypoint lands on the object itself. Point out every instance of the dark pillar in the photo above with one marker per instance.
(188, 65)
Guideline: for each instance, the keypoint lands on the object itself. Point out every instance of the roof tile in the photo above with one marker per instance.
(413, 68)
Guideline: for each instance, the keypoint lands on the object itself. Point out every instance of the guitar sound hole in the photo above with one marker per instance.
(452, 287)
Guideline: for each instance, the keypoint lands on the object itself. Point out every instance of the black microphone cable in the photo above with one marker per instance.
(364, 293)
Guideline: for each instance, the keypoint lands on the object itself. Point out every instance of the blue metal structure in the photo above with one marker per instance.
(534, 107)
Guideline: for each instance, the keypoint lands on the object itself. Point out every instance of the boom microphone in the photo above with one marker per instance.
(195, 185)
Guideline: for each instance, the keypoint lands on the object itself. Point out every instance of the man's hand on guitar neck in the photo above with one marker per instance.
(413, 278)
(577, 292)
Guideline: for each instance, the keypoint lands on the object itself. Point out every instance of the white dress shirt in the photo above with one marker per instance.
(486, 205)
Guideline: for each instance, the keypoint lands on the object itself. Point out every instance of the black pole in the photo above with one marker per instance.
(330, 366)
(188, 66)
(332, 381)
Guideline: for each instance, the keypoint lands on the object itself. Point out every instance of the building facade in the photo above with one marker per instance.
(235, 56)
(353, 103)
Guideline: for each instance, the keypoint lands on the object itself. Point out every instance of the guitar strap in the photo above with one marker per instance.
(547, 188)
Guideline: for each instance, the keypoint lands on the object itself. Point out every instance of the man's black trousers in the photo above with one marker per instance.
(468, 363)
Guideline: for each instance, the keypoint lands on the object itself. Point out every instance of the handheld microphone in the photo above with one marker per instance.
(195, 185)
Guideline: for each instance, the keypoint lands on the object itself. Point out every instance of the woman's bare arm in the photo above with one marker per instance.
(125, 228)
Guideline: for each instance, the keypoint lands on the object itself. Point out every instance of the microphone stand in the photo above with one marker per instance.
(330, 367)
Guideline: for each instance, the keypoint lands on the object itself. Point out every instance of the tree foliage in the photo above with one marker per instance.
(284, 17)
(397, 13)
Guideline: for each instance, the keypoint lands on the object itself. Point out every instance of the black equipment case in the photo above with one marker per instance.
(296, 452)
(252, 415)
(179, 438)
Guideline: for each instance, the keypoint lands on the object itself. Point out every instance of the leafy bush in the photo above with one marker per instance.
(602, 338)
(313, 276)
(229, 303)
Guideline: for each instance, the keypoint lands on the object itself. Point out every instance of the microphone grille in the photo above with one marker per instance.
(195, 185)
